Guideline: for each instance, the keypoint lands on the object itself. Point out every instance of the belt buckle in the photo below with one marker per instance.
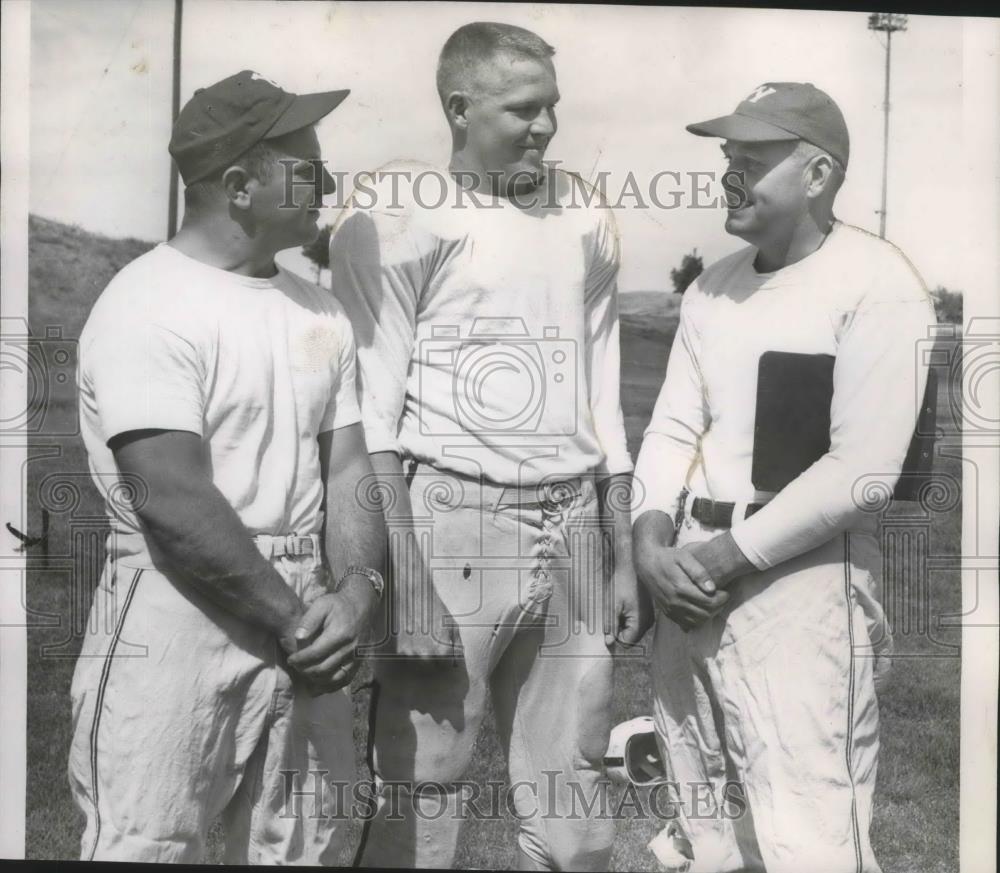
(708, 511)
(296, 545)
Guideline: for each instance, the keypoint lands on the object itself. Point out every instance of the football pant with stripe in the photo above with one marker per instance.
(182, 714)
(767, 716)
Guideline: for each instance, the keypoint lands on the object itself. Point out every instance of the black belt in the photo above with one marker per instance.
(718, 513)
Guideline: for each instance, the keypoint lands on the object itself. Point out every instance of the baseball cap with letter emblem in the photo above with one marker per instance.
(222, 121)
(784, 111)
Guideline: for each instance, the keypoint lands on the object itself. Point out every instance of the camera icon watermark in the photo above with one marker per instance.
(48, 362)
(498, 380)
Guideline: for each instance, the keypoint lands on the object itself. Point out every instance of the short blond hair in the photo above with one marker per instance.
(480, 42)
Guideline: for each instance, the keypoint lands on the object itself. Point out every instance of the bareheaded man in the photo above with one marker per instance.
(484, 298)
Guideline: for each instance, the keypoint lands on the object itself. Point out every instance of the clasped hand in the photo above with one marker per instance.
(322, 643)
(679, 584)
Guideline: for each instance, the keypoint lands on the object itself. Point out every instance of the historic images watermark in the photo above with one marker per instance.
(463, 189)
(313, 794)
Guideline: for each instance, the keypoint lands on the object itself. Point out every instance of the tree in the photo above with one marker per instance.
(947, 305)
(319, 251)
(690, 270)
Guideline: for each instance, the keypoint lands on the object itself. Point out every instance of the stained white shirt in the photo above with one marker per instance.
(857, 298)
(257, 368)
(487, 333)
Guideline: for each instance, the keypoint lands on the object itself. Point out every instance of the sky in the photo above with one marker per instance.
(630, 78)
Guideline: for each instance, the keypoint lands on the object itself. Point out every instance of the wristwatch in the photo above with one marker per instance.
(373, 576)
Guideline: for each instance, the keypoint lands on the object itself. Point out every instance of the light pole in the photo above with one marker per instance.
(175, 107)
(889, 23)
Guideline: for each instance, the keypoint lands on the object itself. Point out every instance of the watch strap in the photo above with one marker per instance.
(373, 577)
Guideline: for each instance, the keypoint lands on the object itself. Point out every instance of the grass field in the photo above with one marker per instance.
(916, 816)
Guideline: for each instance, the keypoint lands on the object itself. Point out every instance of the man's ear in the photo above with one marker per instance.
(235, 182)
(456, 107)
(819, 175)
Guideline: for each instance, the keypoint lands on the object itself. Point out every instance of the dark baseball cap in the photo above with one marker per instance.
(222, 121)
(784, 111)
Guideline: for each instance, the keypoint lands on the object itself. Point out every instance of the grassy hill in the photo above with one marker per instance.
(70, 267)
(648, 303)
(648, 323)
(916, 817)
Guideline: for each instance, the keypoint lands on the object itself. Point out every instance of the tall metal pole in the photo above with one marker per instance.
(887, 23)
(885, 136)
(174, 111)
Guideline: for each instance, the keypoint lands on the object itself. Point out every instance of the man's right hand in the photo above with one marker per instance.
(679, 585)
(421, 627)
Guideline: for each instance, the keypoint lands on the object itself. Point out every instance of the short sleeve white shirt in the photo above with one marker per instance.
(256, 367)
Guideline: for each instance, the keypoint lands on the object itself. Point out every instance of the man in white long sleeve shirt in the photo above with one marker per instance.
(766, 622)
(484, 301)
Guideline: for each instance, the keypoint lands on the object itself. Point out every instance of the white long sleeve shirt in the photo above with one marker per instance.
(858, 298)
(487, 333)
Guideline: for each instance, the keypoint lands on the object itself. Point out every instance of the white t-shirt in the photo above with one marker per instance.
(487, 333)
(256, 367)
(857, 298)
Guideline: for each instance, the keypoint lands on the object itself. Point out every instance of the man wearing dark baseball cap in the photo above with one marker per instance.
(793, 379)
(214, 678)
(221, 122)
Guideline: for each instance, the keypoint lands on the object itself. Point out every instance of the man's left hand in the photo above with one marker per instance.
(330, 632)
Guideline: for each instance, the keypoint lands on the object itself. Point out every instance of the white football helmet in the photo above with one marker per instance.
(633, 755)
